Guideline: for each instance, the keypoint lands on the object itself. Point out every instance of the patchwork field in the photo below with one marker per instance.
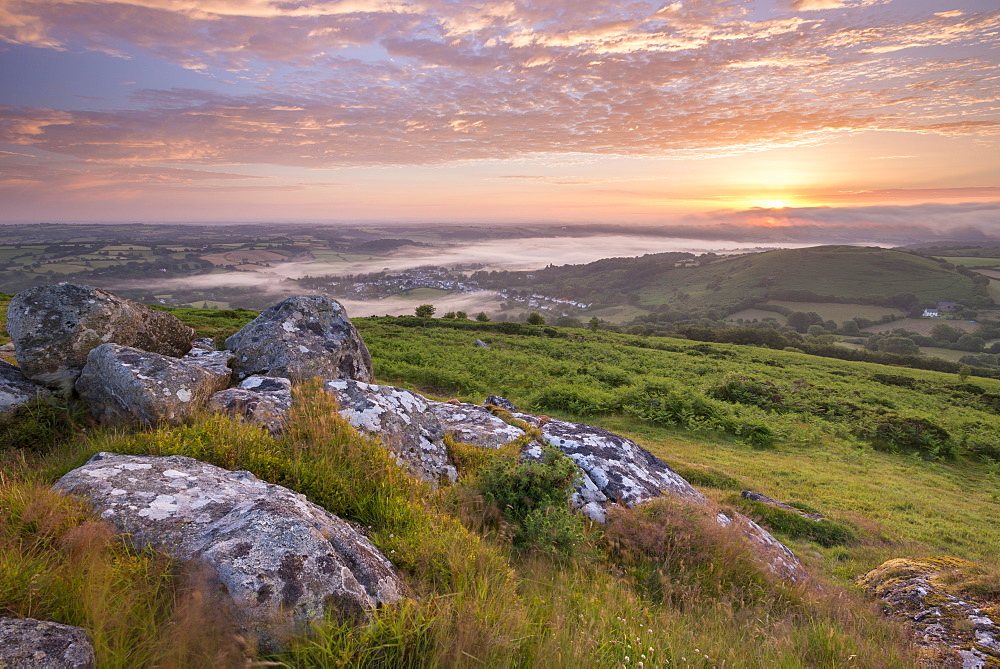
(923, 325)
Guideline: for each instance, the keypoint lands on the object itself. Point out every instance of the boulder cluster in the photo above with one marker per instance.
(281, 559)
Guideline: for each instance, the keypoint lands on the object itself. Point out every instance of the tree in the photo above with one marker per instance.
(849, 327)
(970, 343)
(899, 346)
(594, 324)
(449, 315)
(482, 317)
(963, 373)
(535, 318)
(425, 310)
(944, 332)
(462, 315)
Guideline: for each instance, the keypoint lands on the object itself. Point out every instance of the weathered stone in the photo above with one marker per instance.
(618, 468)
(263, 400)
(17, 389)
(479, 343)
(214, 362)
(123, 384)
(473, 424)
(204, 343)
(282, 559)
(301, 338)
(951, 627)
(764, 499)
(775, 556)
(26, 643)
(403, 420)
(54, 328)
(502, 402)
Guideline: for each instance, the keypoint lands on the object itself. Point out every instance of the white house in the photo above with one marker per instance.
(931, 313)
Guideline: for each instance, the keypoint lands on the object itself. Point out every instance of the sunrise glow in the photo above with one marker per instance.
(691, 113)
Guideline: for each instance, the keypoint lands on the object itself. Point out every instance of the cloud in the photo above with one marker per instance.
(443, 81)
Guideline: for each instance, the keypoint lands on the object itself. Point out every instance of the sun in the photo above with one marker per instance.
(770, 204)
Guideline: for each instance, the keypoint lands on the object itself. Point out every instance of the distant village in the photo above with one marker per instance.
(455, 279)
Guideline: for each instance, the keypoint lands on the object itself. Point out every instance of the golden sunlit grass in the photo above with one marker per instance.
(619, 600)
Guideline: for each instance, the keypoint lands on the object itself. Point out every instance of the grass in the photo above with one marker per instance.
(655, 581)
(702, 602)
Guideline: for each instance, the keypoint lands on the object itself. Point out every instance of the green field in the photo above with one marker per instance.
(972, 261)
(838, 312)
(842, 271)
(923, 325)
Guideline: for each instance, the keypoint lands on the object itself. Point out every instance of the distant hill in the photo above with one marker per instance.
(823, 273)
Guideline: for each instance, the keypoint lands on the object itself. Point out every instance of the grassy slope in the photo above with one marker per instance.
(920, 506)
(506, 609)
(843, 271)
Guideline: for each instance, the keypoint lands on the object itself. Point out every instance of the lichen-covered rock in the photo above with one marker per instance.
(263, 400)
(54, 328)
(124, 384)
(214, 362)
(17, 389)
(775, 556)
(282, 559)
(403, 420)
(502, 402)
(764, 499)
(951, 626)
(26, 643)
(618, 468)
(203, 343)
(301, 338)
(473, 424)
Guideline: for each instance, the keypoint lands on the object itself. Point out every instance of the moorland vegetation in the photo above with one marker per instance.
(902, 462)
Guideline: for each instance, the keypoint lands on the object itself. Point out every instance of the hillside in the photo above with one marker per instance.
(903, 463)
(824, 273)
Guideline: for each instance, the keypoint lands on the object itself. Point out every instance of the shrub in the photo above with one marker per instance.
(742, 389)
(984, 449)
(676, 552)
(825, 532)
(39, 425)
(576, 399)
(532, 495)
(909, 434)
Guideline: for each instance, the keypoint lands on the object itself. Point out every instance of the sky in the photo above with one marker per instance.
(820, 117)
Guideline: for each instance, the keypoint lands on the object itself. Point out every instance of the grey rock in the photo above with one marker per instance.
(124, 384)
(301, 338)
(54, 328)
(616, 467)
(17, 389)
(283, 560)
(502, 402)
(203, 343)
(775, 556)
(26, 643)
(479, 343)
(403, 420)
(473, 424)
(764, 499)
(263, 400)
(214, 362)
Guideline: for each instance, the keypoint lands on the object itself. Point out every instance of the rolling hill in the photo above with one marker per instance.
(825, 273)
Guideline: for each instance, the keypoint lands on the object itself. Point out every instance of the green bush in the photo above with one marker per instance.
(742, 389)
(38, 425)
(581, 400)
(532, 495)
(909, 434)
(984, 449)
(825, 532)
